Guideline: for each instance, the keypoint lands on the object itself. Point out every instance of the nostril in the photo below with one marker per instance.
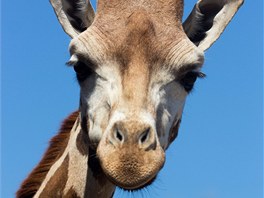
(119, 135)
(144, 136)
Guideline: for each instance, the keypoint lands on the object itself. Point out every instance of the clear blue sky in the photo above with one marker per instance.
(219, 150)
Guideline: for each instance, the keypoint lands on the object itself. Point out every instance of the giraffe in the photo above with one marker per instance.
(135, 62)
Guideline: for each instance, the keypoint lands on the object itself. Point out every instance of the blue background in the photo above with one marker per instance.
(219, 150)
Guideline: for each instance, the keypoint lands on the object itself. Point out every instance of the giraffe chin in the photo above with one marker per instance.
(132, 186)
(130, 189)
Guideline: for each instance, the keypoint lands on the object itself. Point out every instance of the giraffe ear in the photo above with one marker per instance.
(208, 20)
(75, 16)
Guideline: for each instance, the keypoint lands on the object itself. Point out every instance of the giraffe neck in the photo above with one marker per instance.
(75, 172)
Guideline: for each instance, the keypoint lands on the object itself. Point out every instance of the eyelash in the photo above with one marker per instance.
(81, 69)
(188, 80)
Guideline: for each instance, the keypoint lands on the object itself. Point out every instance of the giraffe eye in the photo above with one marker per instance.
(82, 70)
(189, 79)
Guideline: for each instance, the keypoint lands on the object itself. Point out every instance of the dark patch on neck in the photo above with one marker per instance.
(94, 163)
(71, 194)
(57, 182)
(95, 166)
(97, 173)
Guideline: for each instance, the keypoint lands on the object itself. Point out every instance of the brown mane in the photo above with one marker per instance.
(56, 148)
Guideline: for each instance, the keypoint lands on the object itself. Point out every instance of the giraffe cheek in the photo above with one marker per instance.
(174, 131)
(97, 121)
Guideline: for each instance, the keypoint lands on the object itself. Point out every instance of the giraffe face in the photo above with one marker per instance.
(132, 97)
(136, 62)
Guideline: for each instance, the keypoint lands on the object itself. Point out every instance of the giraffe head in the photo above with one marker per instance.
(136, 62)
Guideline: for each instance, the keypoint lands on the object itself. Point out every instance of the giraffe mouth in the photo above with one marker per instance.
(132, 187)
(144, 186)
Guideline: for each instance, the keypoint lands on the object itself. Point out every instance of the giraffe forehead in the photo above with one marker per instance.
(121, 10)
(141, 34)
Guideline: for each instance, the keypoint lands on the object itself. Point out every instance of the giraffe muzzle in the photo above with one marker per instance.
(130, 154)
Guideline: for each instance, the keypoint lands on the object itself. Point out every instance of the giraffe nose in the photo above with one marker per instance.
(133, 133)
